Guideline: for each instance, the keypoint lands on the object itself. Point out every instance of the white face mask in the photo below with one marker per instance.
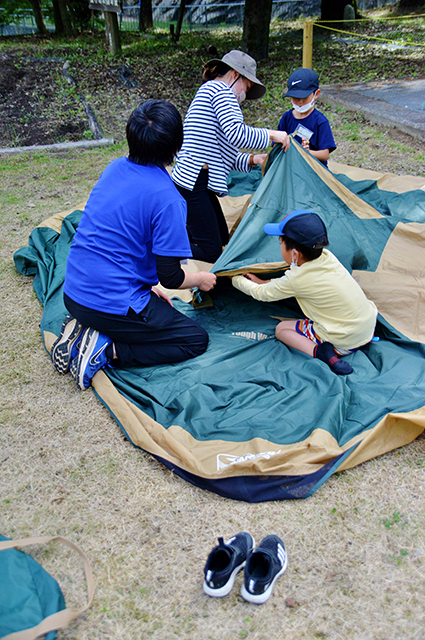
(304, 107)
(240, 97)
(240, 94)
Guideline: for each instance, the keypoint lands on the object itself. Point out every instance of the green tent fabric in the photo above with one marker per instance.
(252, 419)
(357, 242)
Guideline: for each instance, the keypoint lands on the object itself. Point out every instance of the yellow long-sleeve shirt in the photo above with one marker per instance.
(327, 294)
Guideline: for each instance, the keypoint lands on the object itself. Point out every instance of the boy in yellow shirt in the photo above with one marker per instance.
(339, 317)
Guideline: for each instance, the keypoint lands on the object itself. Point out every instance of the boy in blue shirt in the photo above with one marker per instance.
(310, 126)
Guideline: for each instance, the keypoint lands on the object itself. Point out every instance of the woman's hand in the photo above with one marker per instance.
(280, 137)
(207, 280)
(259, 158)
(305, 144)
(162, 295)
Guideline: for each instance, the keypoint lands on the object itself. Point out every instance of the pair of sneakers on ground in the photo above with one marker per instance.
(263, 566)
(79, 350)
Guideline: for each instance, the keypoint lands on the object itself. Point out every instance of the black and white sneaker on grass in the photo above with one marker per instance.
(263, 567)
(91, 357)
(224, 563)
(65, 348)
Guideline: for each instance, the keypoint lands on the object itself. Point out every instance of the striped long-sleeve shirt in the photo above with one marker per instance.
(214, 131)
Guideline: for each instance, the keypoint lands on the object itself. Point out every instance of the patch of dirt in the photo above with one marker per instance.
(39, 105)
(35, 105)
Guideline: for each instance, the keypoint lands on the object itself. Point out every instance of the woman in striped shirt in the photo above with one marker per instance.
(214, 130)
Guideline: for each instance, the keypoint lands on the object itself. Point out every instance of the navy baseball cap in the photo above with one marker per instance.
(304, 227)
(301, 83)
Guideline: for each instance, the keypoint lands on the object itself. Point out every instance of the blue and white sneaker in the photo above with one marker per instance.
(91, 357)
(65, 348)
(224, 563)
(264, 566)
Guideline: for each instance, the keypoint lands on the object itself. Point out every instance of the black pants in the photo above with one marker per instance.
(206, 223)
(157, 335)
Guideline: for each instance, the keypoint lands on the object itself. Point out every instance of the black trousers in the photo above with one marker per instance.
(206, 224)
(157, 335)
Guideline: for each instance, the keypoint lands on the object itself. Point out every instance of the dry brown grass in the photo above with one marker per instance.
(356, 547)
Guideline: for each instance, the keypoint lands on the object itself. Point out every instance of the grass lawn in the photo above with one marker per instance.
(356, 547)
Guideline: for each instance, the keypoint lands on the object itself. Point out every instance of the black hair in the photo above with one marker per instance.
(215, 70)
(307, 252)
(154, 133)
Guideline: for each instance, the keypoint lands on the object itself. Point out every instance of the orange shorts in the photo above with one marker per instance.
(305, 328)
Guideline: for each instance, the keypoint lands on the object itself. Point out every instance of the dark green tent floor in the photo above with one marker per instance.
(248, 387)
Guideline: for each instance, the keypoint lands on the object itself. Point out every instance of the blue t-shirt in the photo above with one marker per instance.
(133, 214)
(316, 123)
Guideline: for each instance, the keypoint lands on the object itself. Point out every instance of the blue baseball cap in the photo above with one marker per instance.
(304, 227)
(301, 83)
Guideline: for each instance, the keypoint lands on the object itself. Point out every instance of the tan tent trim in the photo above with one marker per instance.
(224, 459)
(55, 221)
(353, 202)
(234, 208)
(145, 432)
(259, 267)
(393, 431)
(397, 286)
(385, 181)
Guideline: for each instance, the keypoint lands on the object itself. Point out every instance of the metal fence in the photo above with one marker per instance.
(204, 15)
(24, 23)
(200, 14)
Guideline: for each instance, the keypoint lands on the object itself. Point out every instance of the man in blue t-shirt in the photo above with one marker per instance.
(132, 234)
(309, 125)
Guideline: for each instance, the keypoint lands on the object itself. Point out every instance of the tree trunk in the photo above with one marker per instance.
(79, 14)
(180, 20)
(113, 37)
(145, 15)
(410, 4)
(334, 9)
(66, 17)
(256, 27)
(57, 18)
(36, 7)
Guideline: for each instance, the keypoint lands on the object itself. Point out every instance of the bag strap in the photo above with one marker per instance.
(60, 618)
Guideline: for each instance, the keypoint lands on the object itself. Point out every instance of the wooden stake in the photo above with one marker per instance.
(308, 45)
(112, 33)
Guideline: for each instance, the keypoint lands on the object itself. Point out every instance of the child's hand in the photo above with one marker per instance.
(250, 276)
(305, 143)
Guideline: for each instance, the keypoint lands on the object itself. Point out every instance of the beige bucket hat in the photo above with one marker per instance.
(247, 67)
